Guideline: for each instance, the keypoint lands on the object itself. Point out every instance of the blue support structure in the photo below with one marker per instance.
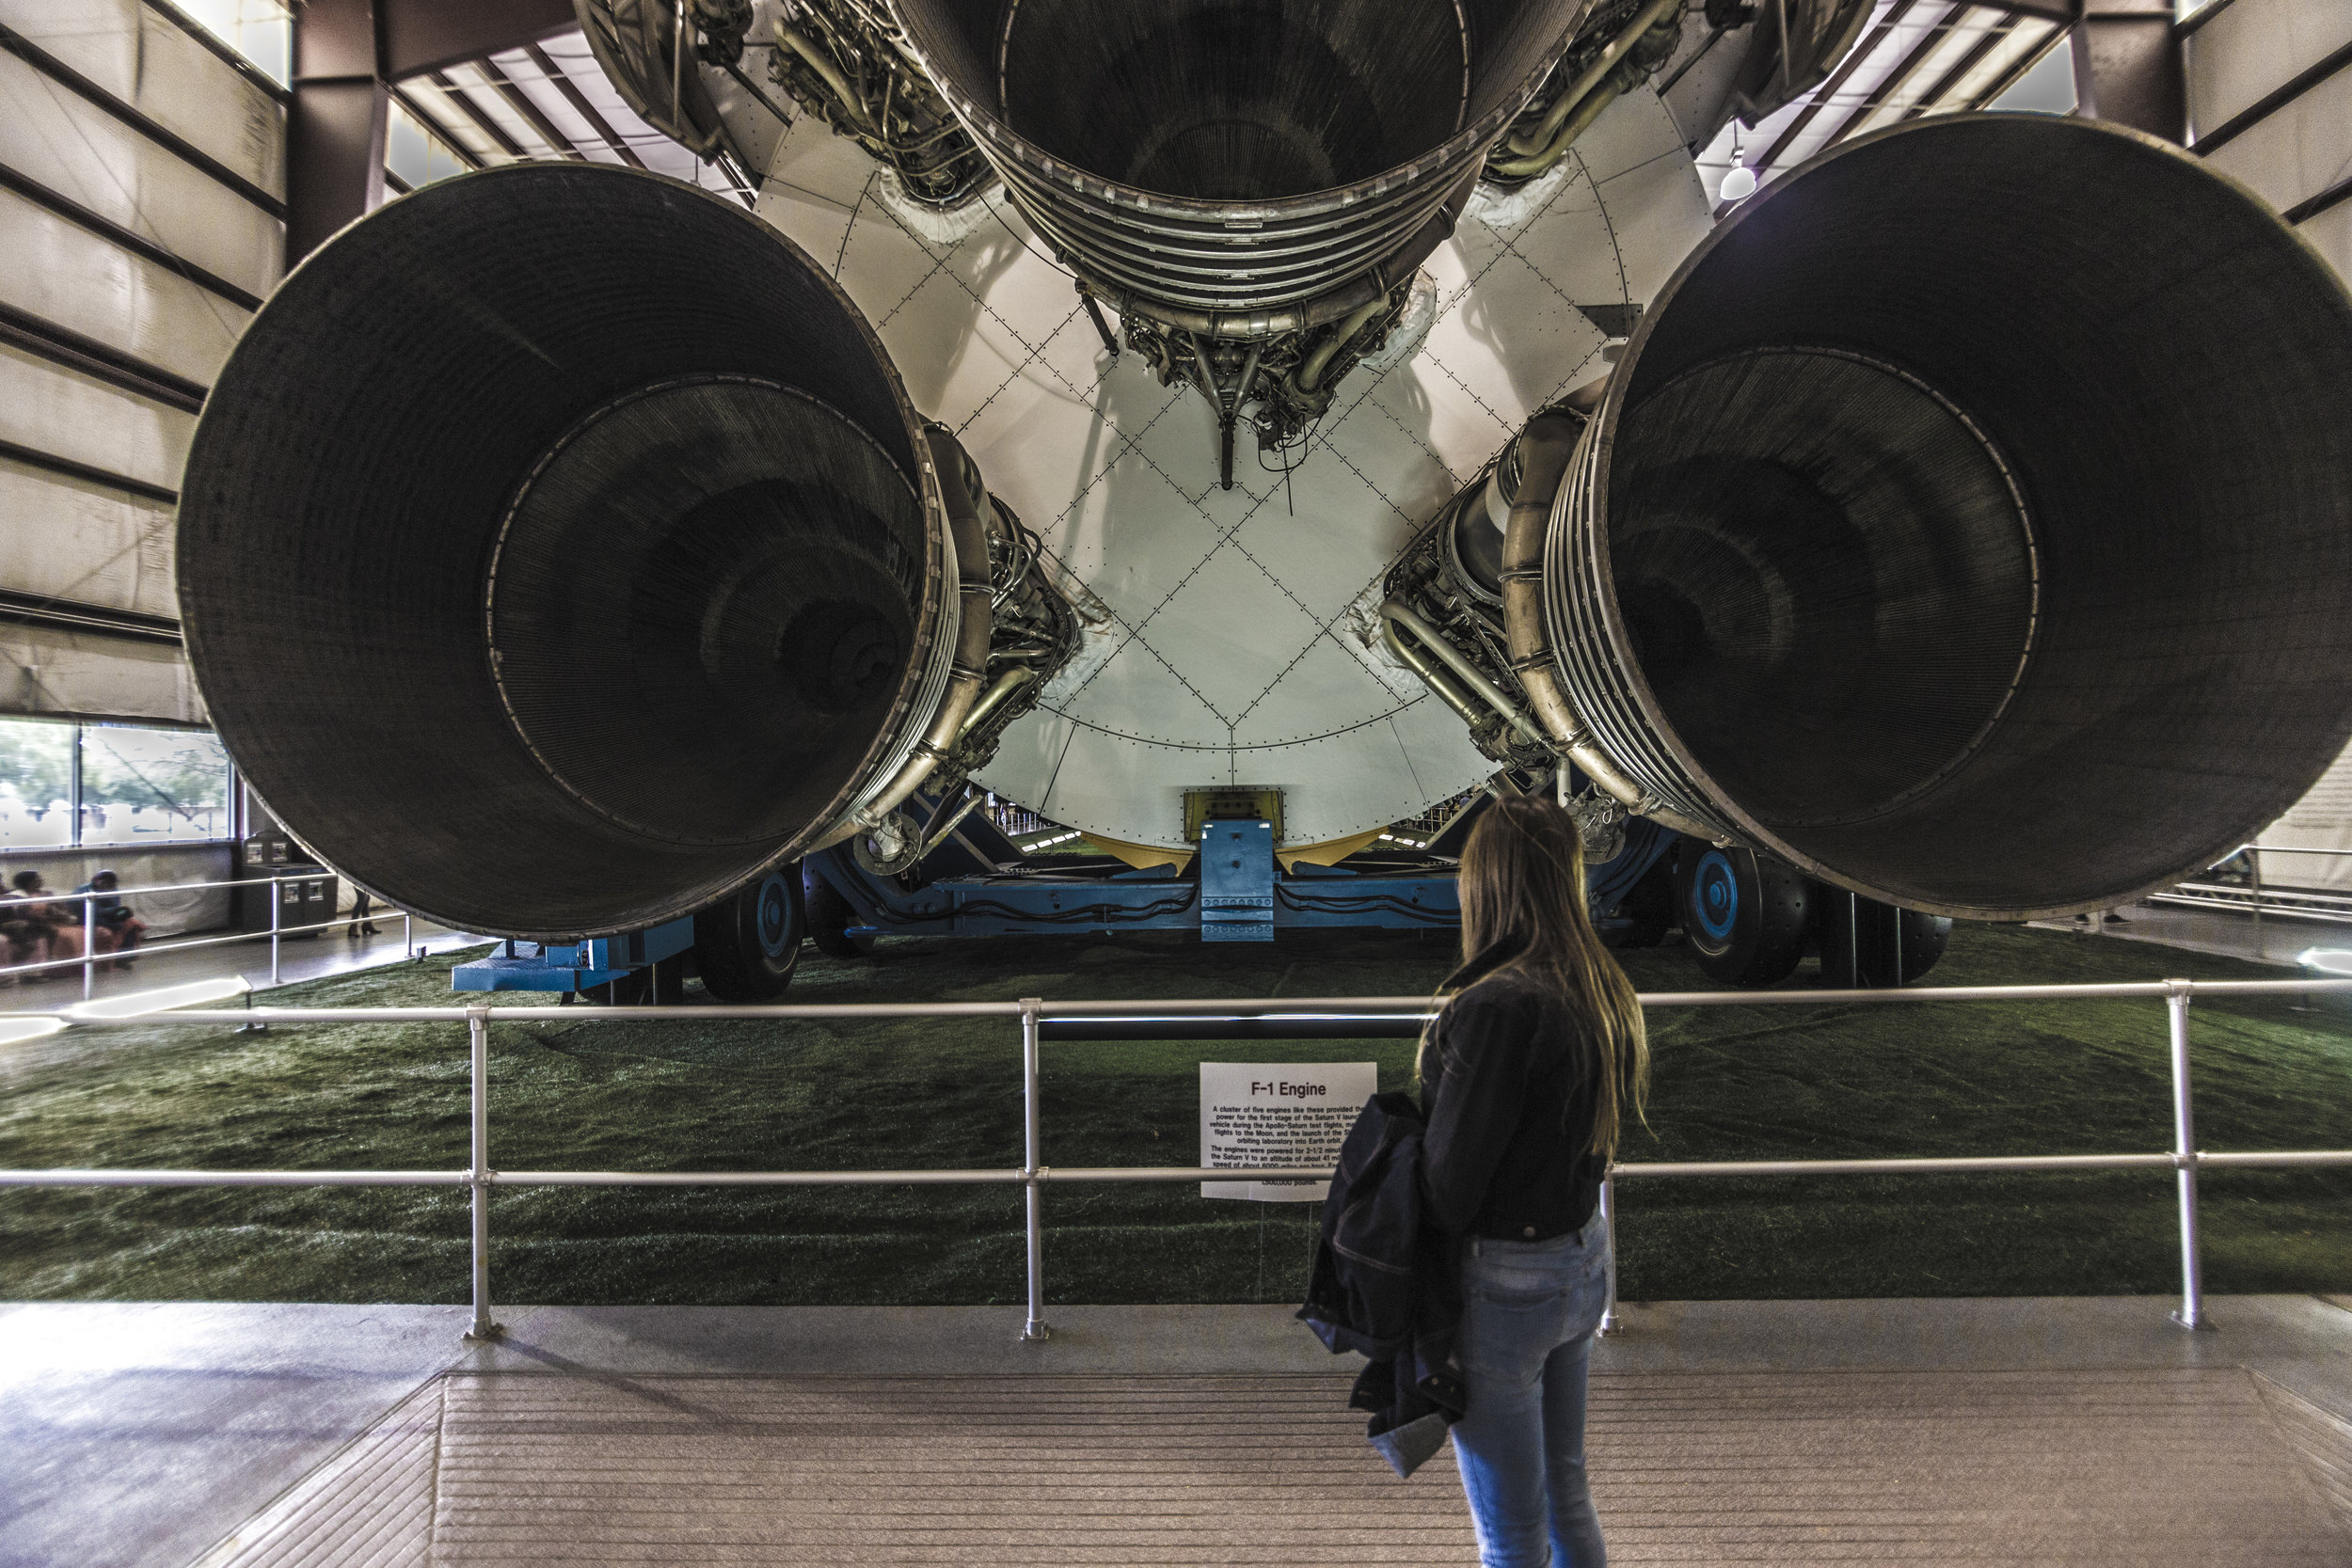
(571, 966)
(1236, 881)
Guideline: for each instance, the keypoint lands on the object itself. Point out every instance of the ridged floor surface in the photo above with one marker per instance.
(2180, 1468)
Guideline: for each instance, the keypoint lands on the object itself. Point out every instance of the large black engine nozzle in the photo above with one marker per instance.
(1232, 157)
(558, 550)
(1969, 521)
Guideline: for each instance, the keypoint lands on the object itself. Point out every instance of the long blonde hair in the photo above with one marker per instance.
(1522, 890)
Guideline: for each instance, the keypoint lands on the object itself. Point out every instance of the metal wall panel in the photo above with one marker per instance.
(144, 59)
(70, 539)
(2300, 150)
(68, 275)
(2331, 233)
(52, 135)
(45, 670)
(48, 409)
(2254, 47)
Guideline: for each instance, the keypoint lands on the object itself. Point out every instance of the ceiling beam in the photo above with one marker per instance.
(1994, 36)
(520, 102)
(454, 96)
(424, 36)
(431, 122)
(337, 123)
(1897, 79)
(2128, 68)
(579, 100)
(1830, 88)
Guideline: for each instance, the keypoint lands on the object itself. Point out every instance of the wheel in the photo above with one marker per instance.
(1745, 915)
(1648, 910)
(1860, 938)
(749, 943)
(830, 918)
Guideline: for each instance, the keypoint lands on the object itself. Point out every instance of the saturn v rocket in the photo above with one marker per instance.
(1966, 521)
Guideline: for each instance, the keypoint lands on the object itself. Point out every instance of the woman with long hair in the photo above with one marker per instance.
(1526, 1072)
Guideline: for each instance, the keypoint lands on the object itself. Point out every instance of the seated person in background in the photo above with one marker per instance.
(63, 919)
(25, 933)
(34, 925)
(119, 929)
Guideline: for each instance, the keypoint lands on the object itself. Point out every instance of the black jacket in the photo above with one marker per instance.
(1511, 1092)
(1386, 1283)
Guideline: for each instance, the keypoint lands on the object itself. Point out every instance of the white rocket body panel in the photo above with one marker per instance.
(1231, 638)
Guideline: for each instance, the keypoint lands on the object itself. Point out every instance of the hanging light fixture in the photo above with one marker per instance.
(1739, 183)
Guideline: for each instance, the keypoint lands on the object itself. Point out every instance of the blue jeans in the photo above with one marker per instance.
(1529, 1309)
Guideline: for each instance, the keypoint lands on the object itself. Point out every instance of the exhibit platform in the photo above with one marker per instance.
(2069, 1431)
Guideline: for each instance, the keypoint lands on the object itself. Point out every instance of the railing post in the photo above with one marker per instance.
(407, 934)
(1608, 1229)
(2254, 859)
(276, 919)
(2192, 1312)
(478, 1039)
(89, 946)
(1035, 1327)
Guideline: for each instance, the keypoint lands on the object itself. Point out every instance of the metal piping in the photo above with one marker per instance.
(1527, 144)
(822, 63)
(1546, 448)
(1595, 103)
(1432, 677)
(1311, 373)
(1007, 684)
(1395, 613)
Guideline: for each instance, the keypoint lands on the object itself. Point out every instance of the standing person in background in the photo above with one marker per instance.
(119, 929)
(1525, 1071)
(361, 904)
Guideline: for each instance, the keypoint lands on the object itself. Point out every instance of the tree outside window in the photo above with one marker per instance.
(133, 785)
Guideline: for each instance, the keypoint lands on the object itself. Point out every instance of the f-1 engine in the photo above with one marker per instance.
(560, 555)
(1967, 525)
(1252, 189)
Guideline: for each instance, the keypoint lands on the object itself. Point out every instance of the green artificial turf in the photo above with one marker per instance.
(1731, 1083)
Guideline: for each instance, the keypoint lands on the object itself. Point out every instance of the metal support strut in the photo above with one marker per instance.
(2192, 1312)
(1035, 1328)
(1094, 314)
(478, 1176)
(1609, 1323)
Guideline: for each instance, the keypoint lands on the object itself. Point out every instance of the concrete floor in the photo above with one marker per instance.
(2272, 940)
(148, 1434)
(313, 959)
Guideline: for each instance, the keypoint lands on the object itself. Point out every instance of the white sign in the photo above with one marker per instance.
(1275, 1116)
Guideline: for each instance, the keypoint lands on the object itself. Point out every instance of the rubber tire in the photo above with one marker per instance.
(1648, 910)
(1924, 936)
(749, 943)
(1744, 916)
(830, 917)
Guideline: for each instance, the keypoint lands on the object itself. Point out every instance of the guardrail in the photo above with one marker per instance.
(2250, 896)
(90, 957)
(1332, 1018)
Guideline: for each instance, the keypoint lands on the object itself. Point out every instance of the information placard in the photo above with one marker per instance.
(1261, 1115)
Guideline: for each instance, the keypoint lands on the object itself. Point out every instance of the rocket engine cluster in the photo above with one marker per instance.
(1967, 523)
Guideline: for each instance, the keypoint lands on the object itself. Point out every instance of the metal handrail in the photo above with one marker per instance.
(2185, 1159)
(90, 957)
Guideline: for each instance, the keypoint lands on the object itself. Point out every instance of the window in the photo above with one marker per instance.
(37, 784)
(415, 154)
(64, 786)
(261, 30)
